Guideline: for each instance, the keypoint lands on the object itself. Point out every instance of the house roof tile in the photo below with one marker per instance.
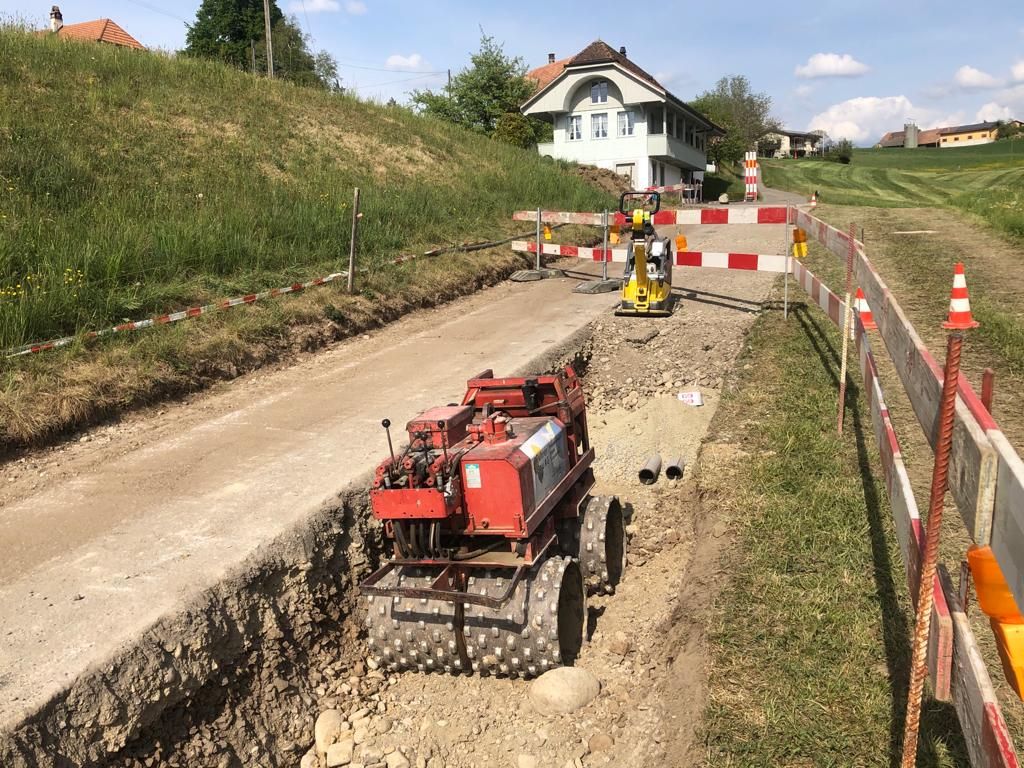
(98, 31)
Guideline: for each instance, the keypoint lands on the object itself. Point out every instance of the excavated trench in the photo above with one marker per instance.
(237, 678)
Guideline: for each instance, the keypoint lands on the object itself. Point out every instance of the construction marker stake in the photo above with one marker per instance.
(959, 320)
(847, 318)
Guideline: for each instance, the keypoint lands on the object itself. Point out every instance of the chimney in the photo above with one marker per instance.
(56, 19)
(551, 58)
(622, 50)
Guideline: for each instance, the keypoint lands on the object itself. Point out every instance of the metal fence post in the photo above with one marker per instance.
(539, 243)
(789, 266)
(847, 325)
(604, 252)
(352, 242)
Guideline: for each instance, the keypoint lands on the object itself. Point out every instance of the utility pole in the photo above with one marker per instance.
(450, 87)
(270, 46)
(252, 48)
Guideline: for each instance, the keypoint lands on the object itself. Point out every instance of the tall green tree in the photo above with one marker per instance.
(233, 30)
(485, 97)
(744, 114)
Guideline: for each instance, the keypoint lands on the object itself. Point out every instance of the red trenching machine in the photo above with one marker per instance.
(495, 536)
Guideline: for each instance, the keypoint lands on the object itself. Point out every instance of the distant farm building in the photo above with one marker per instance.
(952, 136)
(795, 143)
(607, 111)
(98, 31)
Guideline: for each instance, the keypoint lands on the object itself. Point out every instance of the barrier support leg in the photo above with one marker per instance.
(847, 318)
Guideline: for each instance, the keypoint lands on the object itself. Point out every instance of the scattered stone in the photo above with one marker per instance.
(397, 760)
(328, 729)
(563, 690)
(600, 742)
(620, 644)
(340, 753)
(309, 760)
(526, 761)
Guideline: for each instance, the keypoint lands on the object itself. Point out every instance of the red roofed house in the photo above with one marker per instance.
(98, 31)
(607, 111)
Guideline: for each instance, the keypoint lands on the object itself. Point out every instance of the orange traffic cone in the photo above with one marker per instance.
(960, 317)
(814, 199)
(861, 304)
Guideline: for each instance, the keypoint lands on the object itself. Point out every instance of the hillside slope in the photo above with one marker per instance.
(985, 180)
(136, 183)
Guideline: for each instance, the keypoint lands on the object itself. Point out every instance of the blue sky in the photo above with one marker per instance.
(855, 73)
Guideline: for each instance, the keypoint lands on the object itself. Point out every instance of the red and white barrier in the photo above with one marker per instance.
(750, 176)
(751, 262)
(572, 251)
(725, 214)
(172, 317)
(978, 442)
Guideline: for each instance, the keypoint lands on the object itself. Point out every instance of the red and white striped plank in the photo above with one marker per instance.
(906, 519)
(974, 463)
(751, 262)
(726, 214)
(564, 217)
(986, 736)
(572, 251)
(172, 317)
(831, 304)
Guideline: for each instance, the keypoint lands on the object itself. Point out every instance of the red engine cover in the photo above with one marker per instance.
(456, 419)
(504, 482)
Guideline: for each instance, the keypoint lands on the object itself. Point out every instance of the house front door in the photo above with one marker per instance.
(627, 170)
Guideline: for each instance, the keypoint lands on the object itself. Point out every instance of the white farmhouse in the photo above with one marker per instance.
(607, 111)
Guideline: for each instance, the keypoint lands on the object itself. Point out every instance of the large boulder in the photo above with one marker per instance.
(563, 690)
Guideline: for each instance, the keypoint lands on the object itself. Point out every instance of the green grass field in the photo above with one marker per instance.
(987, 180)
(134, 183)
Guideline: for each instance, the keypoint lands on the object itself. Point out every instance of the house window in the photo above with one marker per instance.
(599, 125)
(956, 138)
(575, 127)
(599, 92)
(970, 136)
(626, 123)
(657, 121)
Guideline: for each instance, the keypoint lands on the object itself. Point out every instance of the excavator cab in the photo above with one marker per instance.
(647, 281)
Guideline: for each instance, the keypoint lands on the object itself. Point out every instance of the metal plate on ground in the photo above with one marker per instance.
(598, 286)
(531, 275)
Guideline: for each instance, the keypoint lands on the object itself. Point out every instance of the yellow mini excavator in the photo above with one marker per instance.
(647, 281)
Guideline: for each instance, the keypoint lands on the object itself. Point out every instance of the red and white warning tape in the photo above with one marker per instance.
(172, 317)
(732, 214)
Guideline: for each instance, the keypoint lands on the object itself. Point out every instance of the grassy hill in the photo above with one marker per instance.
(136, 183)
(987, 180)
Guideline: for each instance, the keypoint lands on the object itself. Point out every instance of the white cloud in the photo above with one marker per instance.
(1018, 71)
(831, 65)
(865, 119)
(413, 61)
(971, 79)
(355, 7)
(314, 6)
(993, 111)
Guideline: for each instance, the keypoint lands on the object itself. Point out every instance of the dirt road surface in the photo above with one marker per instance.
(106, 535)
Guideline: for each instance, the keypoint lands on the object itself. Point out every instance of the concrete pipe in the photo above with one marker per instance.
(650, 470)
(674, 468)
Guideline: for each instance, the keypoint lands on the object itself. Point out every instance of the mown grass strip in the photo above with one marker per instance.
(809, 643)
(985, 180)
